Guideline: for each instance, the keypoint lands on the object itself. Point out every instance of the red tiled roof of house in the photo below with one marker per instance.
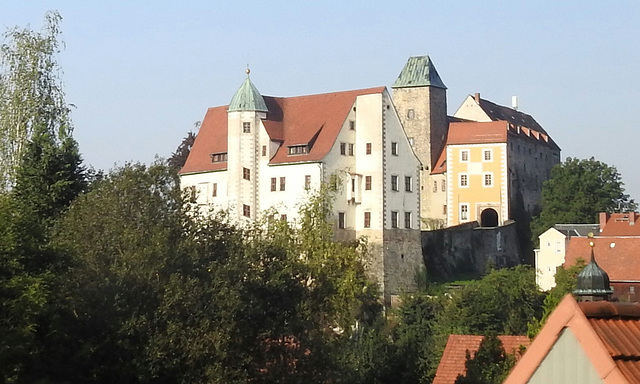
(477, 132)
(609, 334)
(619, 224)
(314, 119)
(618, 256)
(454, 356)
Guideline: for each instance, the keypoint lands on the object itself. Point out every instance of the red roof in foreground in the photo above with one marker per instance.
(609, 334)
(454, 356)
(290, 120)
(618, 256)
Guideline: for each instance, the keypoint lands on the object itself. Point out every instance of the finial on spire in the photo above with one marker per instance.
(248, 71)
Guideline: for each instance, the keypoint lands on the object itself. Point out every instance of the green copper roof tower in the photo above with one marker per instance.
(247, 98)
(419, 72)
(593, 282)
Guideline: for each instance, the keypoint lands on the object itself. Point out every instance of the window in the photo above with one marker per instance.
(394, 219)
(368, 148)
(367, 183)
(632, 289)
(352, 125)
(464, 180)
(246, 127)
(273, 184)
(214, 191)
(408, 185)
(464, 212)
(394, 183)
(264, 150)
(435, 186)
(394, 148)
(464, 155)
(307, 181)
(411, 114)
(444, 209)
(282, 183)
(343, 148)
(353, 185)
(444, 185)
(341, 217)
(246, 174)
(298, 149)
(246, 210)
(488, 180)
(407, 220)
(367, 219)
(218, 157)
(487, 155)
(350, 149)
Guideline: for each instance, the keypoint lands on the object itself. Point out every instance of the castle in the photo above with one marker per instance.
(399, 162)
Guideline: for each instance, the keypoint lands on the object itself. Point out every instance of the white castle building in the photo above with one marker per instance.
(262, 152)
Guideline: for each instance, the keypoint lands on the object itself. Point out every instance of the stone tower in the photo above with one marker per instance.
(246, 110)
(420, 97)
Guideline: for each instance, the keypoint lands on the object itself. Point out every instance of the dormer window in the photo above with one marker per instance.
(298, 149)
(219, 157)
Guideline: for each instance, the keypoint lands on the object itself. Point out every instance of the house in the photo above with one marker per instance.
(551, 253)
(586, 342)
(454, 358)
(267, 154)
(617, 240)
(492, 167)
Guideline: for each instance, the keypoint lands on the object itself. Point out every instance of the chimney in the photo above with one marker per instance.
(632, 218)
(477, 97)
(604, 216)
(514, 102)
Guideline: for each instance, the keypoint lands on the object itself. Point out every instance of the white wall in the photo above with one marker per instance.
(550, 255)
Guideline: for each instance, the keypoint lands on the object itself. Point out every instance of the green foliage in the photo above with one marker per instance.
(31, 93)
(502, 302)
(566, 280)
(490, 365)
(179, 157)
(577, 192)
(162, 292)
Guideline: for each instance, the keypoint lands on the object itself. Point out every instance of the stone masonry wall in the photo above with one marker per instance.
(465, 250)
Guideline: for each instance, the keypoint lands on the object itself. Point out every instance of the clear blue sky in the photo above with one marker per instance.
(142, 72)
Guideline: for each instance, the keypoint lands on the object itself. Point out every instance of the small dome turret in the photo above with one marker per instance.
(247, 98)
(593, 282)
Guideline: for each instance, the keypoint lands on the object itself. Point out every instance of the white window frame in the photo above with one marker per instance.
(484, 179)
(394, 219)
(484, 152)
(394, 148)
(466, 211)
(394, 183)
(462, 155)
(466, 175)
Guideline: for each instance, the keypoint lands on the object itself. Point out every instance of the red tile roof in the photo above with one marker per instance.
(618, 256)
(454, 356)
(619, 224)
(478, 133)
(315, 119)
(609, 334)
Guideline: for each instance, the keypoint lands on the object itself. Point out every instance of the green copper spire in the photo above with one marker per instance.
(247, 98)
(593, 281)
(419, 72)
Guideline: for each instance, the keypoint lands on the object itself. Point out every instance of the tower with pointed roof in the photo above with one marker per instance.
(593, 282)
(246, 110)
(420, 98)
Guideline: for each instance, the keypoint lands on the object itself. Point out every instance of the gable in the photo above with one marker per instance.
(567, 363)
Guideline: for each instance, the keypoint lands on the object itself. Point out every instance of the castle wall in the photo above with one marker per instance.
(466, 250)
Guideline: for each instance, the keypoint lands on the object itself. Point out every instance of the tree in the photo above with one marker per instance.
(502, 302)
(490, 365)
(577, 192)
(31, 92)
(161, 291)
(179, 157)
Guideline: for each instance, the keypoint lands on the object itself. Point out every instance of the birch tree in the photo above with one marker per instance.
(31, 92)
